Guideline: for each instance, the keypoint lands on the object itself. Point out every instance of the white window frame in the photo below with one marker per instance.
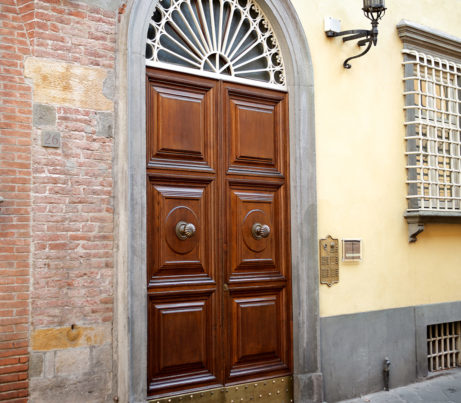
(432, 91)
(433, 132)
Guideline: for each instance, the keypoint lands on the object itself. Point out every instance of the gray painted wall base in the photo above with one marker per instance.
(353, 348)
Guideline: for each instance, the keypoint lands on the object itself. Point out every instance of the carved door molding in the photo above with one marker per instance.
(218, 234)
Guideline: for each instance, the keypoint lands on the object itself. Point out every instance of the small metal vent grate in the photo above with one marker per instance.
(443, 346)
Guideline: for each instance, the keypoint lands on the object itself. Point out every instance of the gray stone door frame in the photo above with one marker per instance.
(130, 328)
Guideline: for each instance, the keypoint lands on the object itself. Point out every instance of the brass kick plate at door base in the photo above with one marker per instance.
(277, 390)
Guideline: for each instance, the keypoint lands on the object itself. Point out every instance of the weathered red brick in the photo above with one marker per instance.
(15, 115)
(70, 195)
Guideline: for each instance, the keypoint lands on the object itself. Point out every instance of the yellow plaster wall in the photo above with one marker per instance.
(361, 165)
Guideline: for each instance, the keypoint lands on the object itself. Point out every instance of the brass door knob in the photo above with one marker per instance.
(260, 231)
(185, 230)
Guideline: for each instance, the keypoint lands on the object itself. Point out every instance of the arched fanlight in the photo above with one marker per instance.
(218, 38)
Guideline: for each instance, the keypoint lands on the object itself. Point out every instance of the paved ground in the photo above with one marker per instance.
(439, 389)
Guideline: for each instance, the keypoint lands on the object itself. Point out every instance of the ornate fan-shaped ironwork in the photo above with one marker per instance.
(230, 38)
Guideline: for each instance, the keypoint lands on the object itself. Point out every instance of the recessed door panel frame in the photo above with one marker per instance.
(184, 105)
(190, 359)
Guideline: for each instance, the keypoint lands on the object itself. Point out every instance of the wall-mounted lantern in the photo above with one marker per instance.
(374, 10)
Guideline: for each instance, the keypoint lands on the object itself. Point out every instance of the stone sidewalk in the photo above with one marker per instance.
(443, 388)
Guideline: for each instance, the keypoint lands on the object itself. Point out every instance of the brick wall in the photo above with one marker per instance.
(72, 191)
(74, 32)
(15, 210)
(72, 278)
(56, 224)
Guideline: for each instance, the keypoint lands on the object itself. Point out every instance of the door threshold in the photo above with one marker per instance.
(276, 390)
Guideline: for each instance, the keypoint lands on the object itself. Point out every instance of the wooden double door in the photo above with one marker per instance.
(218, 234)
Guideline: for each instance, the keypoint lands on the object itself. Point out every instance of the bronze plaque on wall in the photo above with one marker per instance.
(329, 261)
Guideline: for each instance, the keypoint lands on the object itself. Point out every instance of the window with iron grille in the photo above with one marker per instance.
(432, 91)
(433, 133)
(443, 346)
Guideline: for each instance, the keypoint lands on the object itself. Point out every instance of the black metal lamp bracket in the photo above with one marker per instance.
(371, 37)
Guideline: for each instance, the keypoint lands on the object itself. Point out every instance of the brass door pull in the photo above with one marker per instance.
(260, 231)
(185, 230)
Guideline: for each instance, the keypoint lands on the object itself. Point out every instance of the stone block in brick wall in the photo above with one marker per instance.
(36, 365)
(51, 138)
(44, 115)
(82, 374)
(67, 337)
(48, 365)
(108, 86)
(73, 361)
(91, 388)
(68, 84)
(105, 124)
(101, 357)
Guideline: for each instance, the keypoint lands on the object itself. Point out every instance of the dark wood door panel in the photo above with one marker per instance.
(259, 333)
(255, 256)
(255, 130)
(181, 343)
(219, 299)
(257, 264)
(181, 122)
(173, 259)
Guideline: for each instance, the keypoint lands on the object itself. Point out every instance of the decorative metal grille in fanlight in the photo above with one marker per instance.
(217, 38)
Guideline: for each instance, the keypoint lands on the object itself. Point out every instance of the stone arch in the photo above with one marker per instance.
(130, 327)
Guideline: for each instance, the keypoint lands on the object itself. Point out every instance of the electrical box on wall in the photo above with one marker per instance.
(332, 25)
(352, 250)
